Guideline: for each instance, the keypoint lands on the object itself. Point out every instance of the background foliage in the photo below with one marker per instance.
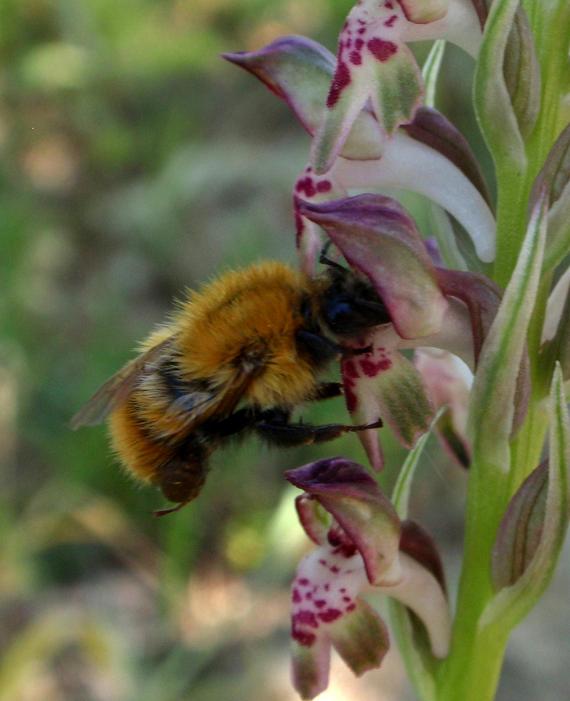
(134, 162)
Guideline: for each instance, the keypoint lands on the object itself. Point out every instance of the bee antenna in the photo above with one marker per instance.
(324, 260)
(173, 509)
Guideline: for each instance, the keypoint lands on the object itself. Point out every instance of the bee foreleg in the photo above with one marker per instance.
(305, 434)
(317, 346)
(327, 390)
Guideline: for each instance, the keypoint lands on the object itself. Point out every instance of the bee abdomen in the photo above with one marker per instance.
(182, 479)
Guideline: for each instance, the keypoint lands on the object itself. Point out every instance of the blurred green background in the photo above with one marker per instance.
(135, 163)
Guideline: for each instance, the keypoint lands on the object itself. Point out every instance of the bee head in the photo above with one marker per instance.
(348, 304)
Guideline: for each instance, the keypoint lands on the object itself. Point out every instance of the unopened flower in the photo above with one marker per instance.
(360, 544)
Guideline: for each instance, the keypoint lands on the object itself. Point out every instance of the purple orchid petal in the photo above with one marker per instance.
(326, 608)
(416, 542)
(293, 68)
(482, 299)
(325, 589)
(379, 239)
(299, 71)
(354, 499)
(481, 296)
(372, 64)
(313, 525)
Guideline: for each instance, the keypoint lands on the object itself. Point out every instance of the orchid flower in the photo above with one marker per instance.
(360, 545)
(428, 155)
(429, 307)
(374, 65)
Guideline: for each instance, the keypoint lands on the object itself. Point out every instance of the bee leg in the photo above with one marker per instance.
(320, 348)
(230, 425)
(285, 434)
(164, 512)
(324, 260)
(327, 390)
(323, 350)
(351, 352)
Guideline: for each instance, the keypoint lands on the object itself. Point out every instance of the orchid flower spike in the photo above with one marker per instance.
(360, 544)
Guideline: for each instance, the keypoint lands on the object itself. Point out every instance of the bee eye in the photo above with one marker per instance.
(337, 313)
(346, 317)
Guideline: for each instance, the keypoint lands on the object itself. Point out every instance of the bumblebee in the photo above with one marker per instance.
(235, 357)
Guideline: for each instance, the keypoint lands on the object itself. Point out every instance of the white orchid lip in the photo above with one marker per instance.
(409, 164)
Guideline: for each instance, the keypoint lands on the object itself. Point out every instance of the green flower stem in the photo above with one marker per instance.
(472, 669)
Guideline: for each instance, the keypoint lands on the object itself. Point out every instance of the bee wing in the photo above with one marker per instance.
(194, 408)
(117, 388)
